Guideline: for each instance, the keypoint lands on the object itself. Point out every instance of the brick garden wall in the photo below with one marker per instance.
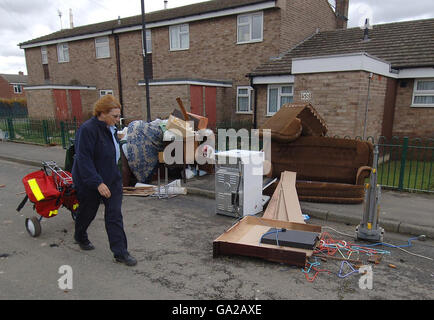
(40, 104)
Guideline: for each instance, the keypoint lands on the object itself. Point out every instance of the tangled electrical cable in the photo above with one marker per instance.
(313, 266)
(331, 246)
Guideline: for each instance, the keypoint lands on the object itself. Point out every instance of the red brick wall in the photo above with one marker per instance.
(83, 67)
(411, 121)
(301, 18)
(131, 58)
(4, 88)
(340, 98)
(40, 104)
(7, 90)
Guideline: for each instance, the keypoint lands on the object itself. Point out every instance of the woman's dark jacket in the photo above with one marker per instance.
(94, 161)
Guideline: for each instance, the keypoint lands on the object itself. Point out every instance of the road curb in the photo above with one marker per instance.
(200, 192)
(416, 230)
(22, 161)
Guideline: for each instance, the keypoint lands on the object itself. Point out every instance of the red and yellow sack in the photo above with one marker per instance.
(42, 191)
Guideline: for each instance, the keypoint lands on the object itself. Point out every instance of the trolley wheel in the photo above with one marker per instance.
(33, 226)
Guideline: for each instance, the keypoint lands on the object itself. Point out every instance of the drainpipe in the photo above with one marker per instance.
(119, 74)
(145, 66)
(366, 108)
(255, 104)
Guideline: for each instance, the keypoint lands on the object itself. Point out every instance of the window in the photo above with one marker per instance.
(62, 52)
(44, 55)
(105, 92)
(148, 41)
(46, 72)
(250, 27)
(278, 96)
(102, 47)
(423, 93)
(243, 100)
(179, 37)
(18, 88)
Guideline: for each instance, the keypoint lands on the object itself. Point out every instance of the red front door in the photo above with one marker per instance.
(61, 104)
(210, 106)
(76, 107)
(197, 103)
(196, 100)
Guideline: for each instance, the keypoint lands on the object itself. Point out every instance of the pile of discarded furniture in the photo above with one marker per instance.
(328, 169)
(143, 157)
(307, 166)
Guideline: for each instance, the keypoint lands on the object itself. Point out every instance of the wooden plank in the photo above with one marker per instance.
(272, 205)
(181, 106)
(138, 191)
(284, 204)
(292, 206)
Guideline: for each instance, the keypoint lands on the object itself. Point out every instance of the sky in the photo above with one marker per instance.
(23, 20)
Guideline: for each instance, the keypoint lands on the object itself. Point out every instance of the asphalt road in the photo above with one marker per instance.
(172, 241)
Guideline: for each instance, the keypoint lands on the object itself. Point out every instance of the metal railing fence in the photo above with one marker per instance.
(47, 131)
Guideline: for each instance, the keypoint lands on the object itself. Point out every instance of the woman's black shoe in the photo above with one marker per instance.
(126, 259)
(85, 245)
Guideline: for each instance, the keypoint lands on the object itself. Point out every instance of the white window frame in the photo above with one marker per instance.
(44, 55)
(179, 33)
(18, 88)
(279, 96)
(421, 93)
(99, 45)
(250, 25)
(61, 48)
(148, 41)
(248, 96)
(104, 92)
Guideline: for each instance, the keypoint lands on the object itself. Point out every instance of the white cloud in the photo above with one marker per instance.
(386, 11)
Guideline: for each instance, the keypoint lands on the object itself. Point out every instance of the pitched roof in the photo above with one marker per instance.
(14, 78)
(402, 44)
(156, 16)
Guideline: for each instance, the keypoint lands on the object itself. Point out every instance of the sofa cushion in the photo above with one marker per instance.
(293, 120)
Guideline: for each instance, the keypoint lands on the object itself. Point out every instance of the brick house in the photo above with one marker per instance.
(200, 52)
(12, 85)
(371, 82)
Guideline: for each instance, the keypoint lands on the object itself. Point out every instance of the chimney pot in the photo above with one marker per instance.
(20, 73)
(342, 13)
(366, 30)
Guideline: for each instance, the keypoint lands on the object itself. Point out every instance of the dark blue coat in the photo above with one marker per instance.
(95, 156)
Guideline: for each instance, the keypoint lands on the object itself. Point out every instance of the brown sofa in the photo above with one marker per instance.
(328, 169)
